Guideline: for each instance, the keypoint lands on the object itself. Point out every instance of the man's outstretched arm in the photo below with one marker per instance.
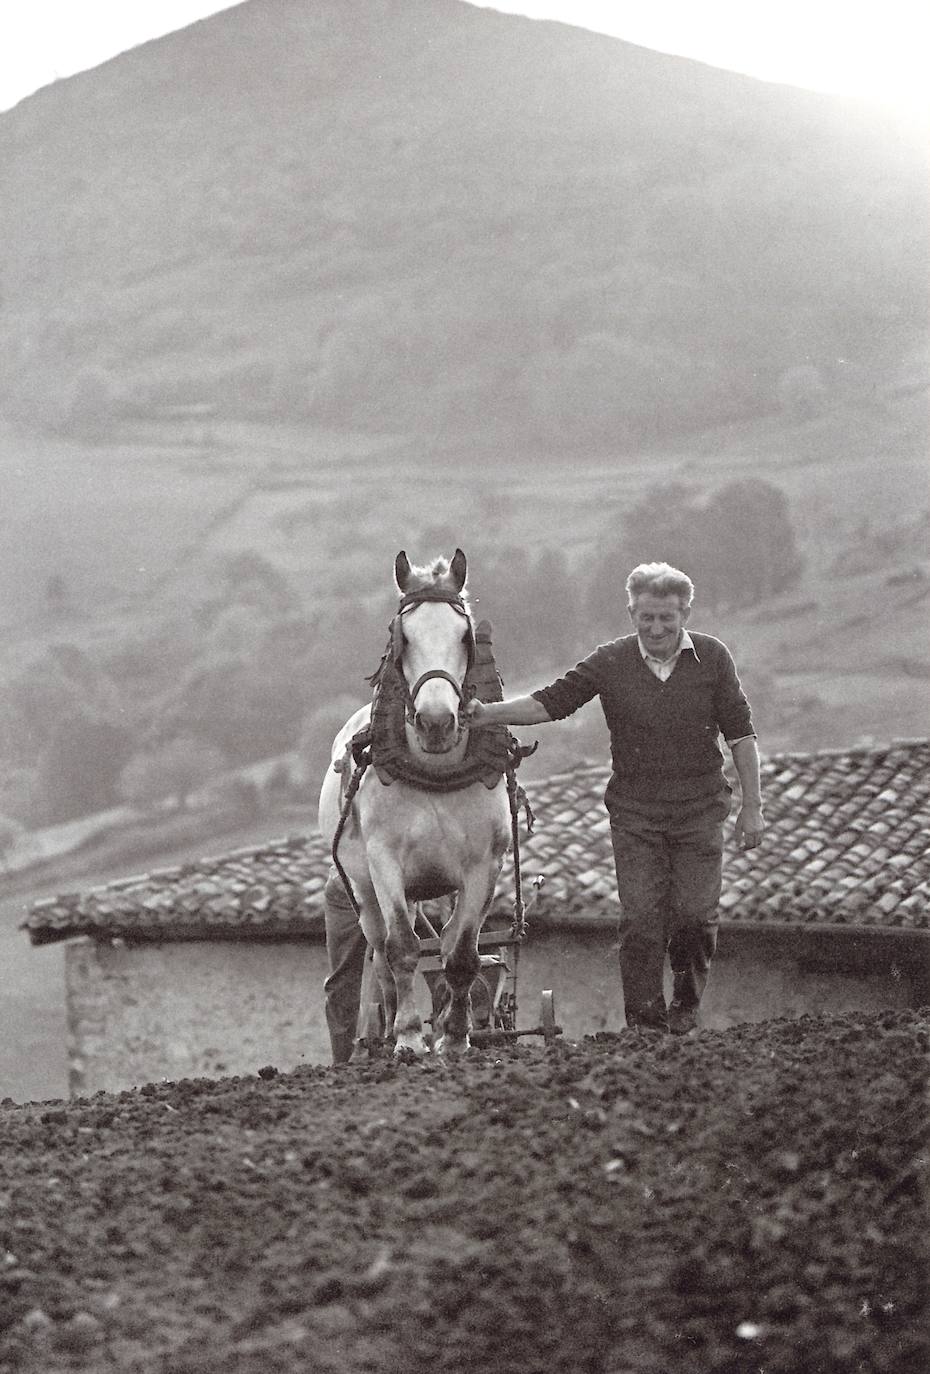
(516, 711)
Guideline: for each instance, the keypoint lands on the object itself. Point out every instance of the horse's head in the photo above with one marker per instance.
(433, 647)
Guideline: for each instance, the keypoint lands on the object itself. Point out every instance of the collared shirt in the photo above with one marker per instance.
(664, 667)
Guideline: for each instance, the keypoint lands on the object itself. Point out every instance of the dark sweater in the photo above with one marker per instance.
(663, 735)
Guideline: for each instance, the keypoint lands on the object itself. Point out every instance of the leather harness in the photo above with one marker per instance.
(492, 752)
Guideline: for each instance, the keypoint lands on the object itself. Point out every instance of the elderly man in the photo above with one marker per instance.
(667, 695)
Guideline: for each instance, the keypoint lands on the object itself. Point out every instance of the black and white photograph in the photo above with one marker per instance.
(465, 689)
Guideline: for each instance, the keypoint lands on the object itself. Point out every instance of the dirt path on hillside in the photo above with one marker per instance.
(734, 1201)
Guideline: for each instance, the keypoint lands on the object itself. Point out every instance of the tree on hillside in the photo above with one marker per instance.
(749, 550)
(248, 708)
(249, 579)
(662, 526)
(738, 544)
(79, 767)
(314, 748)
(530, 600)
(172, 771)
(62, 683)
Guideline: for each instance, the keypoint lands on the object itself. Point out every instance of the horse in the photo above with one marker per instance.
(429, 832)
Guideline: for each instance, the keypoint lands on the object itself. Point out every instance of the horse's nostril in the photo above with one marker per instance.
(435, 729)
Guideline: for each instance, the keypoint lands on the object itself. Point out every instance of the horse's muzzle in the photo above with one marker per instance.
(437, 735)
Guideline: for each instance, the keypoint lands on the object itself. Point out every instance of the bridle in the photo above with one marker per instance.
(408, 602)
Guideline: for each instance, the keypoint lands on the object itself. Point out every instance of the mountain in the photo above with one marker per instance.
(309, 282)
(432, 218)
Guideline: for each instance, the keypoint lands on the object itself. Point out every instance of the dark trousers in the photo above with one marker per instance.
(345, 949)
(668, 857)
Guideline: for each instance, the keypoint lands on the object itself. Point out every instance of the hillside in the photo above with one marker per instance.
(307, 283)
(425, 216)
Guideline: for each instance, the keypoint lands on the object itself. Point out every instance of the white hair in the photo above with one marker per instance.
(661, 579)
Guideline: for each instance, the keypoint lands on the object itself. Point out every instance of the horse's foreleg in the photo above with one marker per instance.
(386, 986)
(375, 931)
(402, 953)
(461, 967)
(461, 962)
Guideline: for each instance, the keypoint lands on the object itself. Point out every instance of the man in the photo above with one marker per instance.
(666, 696)
(345, 949)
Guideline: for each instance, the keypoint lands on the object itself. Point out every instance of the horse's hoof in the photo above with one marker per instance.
(449, 1047)
(413, 1042)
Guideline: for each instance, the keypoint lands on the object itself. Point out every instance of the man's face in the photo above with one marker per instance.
(659, 621)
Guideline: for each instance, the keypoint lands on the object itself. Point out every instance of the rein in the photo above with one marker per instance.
(516, 796)
(351, 790)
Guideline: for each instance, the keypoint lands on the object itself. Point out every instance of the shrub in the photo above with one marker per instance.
(80, 766)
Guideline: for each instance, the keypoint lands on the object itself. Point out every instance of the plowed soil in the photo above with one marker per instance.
(749, 1200)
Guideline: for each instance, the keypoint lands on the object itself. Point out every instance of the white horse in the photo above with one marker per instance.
(403, 843)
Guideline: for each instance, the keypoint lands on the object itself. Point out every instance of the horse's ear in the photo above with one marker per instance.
(401, 571)
(458, 569)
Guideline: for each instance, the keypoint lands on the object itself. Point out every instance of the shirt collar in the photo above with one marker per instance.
(686, 642)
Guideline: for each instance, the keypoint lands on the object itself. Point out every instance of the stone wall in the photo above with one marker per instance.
(138, 1013)
(751, 980)
(142, 1012)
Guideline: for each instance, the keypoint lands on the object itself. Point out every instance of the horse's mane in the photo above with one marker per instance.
(436, 574)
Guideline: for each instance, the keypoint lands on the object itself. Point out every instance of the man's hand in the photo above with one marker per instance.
(474, 711)
(750, 825)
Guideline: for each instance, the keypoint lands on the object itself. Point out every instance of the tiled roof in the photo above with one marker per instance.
(271, 891)
(848, 843)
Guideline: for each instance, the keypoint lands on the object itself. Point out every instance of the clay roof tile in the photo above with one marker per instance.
(847, 841)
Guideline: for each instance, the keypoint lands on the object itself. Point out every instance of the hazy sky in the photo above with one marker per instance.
(876, 49)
